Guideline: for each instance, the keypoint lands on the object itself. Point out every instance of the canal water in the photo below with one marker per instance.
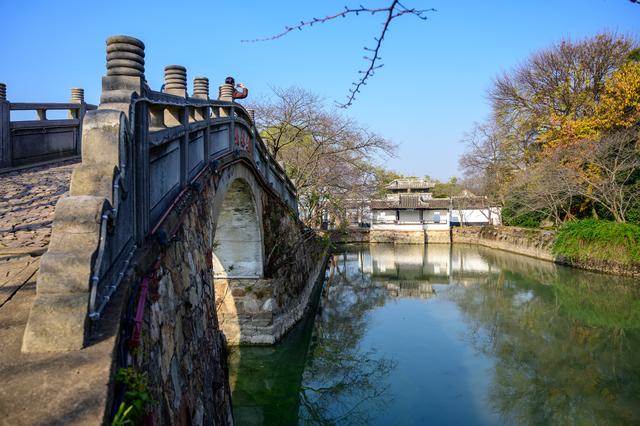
(439, 334)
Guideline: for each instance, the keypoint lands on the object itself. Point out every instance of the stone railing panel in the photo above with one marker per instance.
(26, 142)
(83, 251)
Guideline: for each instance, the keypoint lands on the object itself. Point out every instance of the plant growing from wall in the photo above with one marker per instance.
(136, 397)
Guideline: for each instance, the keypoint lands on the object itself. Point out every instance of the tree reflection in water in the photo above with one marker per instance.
(562, 346)
(341, 382)
(566, 341)
(318, 374)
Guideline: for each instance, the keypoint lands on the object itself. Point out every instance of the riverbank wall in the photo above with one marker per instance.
(529, 242)
(347, 236)
(536, 243)
(423, 236)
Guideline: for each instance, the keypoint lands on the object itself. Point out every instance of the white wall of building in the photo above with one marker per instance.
(384, 216)
(436, 216)
(433, 220)
(409, 216)
(477, 216)
(398, 227)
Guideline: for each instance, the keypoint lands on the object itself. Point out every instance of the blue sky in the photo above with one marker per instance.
(430, 91)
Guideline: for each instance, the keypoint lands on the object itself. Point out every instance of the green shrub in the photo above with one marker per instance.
(511, 217)
(600, 240)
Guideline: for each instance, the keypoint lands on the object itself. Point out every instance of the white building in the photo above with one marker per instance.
(410, 214)
(471, 210)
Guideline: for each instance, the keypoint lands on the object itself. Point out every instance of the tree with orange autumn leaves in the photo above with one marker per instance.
(564, 134)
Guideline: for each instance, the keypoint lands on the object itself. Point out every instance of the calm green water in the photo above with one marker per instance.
(413, 335)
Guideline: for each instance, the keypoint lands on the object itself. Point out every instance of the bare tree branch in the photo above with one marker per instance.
(395, 10)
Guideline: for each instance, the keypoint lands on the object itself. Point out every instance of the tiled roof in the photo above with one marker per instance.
(418, 201)
(410, 184)
(411, 201)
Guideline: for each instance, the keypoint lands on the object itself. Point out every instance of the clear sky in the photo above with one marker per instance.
(430, 91)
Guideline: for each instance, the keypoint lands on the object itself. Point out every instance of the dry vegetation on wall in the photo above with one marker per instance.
(562, 142)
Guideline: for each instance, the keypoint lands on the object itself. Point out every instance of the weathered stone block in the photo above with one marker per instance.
(56, 323)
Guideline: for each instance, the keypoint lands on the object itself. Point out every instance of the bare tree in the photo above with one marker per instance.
(488, 161)
(394, 10)
(548, 187)
(289, 120)
(329, 157)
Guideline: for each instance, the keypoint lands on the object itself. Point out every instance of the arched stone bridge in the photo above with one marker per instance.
(181, 223)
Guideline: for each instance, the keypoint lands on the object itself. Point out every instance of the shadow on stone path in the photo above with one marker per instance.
(27, 202)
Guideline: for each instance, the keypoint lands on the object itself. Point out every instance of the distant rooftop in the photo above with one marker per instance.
(410, 184)
(424, 201)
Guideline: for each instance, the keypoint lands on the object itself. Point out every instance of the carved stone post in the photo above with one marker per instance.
(200, 91)
(77, 97)
(201, 88)
(226, 94)
(125, 73)
(5, 118)
(175, 80)
(175, 83)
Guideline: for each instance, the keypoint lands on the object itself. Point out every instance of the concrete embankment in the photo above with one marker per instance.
(348, 236)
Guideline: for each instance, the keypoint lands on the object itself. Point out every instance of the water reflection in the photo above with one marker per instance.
(450, 334)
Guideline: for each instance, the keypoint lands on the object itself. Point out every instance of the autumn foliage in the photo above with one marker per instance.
(562, 142)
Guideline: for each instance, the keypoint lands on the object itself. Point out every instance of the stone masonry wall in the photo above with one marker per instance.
(295, 258)
(396, 237)
(182, 349)
(348, 236)
(438, 236)
(410, 237)
(530, 242)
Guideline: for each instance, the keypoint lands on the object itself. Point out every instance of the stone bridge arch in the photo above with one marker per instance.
(238, 244)
(238, 254)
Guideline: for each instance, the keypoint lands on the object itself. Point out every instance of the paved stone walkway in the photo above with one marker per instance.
(27, 201)
(34, 386)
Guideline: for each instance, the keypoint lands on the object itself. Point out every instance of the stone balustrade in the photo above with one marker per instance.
(144, 155)
(27, 142)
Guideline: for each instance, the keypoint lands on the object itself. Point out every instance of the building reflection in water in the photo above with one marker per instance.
(279, 385)
(543, 326)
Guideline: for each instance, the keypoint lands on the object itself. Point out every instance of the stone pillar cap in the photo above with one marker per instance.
(125, 39)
